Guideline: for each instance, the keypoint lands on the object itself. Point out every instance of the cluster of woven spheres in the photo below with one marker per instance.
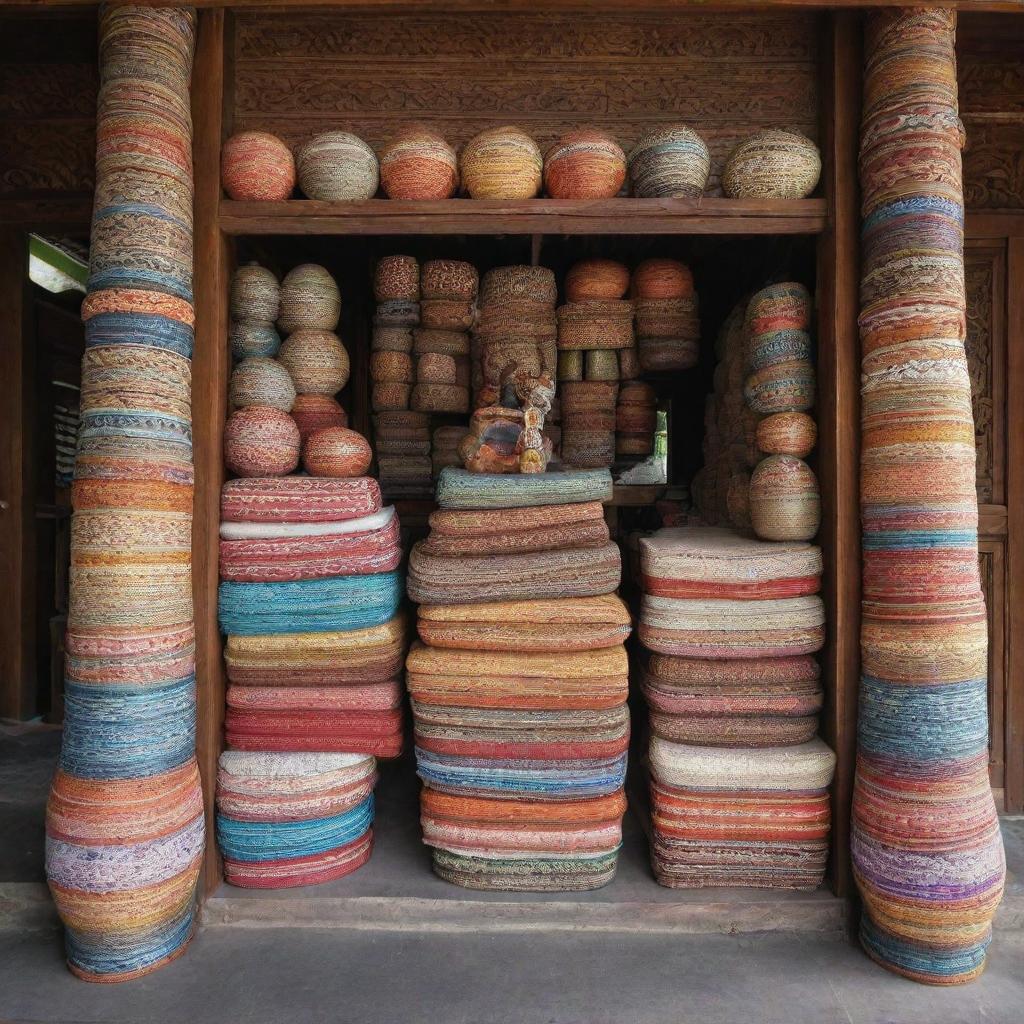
(584, 164)
(772, 164)
(336, 451)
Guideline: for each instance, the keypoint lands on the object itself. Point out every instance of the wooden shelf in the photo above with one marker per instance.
(527, 217)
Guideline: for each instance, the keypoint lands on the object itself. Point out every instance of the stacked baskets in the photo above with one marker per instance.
(738, 779)
(519, 682)
(667, 324)
(784, 499)
(441, 346)
(125, 829)
(636, 420)
(926, 845)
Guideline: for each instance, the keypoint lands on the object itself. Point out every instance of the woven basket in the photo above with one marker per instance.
(397, 313)
(634, 443)
(770, 348)
(671, 162)
(261, 381)
(309, 298)
(255, 295)
(772, 164)
(785, 502)
(440, 398)
(436, 368)
(606, 324)
(396, 277)
(501, 163)
(588, 396)
(779, 307)
(402, 424)
(570, 364)
(392, 339)
(261, 442)
(447, 314)
(315, 412)
(418, 164)
(390, 397)
(449, 279)
(662, 279)
(629, 363)
(257, 166)
(337, 167)
(667, 318)
(253, 339)
(537, 284)
(602, 364)
(587, 449)
(391, 368)
(449, 343)
(584, 164)
(785, 387)
(787, 433)
(663, 355)
(596, 279)
(336, 451)
(316, 360)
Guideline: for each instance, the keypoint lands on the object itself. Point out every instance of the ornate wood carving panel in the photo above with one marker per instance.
(313, 72)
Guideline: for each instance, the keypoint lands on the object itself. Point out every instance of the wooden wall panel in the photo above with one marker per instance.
(367, 73)
(48, 84)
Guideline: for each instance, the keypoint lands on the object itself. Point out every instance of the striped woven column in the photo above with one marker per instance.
(927, 850)
(125, 815)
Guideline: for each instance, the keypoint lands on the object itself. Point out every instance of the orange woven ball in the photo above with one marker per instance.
(257, 166)
(260, 441)
(584, 164)
(787, 433)
(315, 412)
(596, 279)
(501, 163)
(662, 279)
(417, 163)
(336, 451)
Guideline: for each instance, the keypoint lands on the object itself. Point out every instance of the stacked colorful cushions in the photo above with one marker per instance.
(519, 682)
(926, 844)
(738, 779)
(125, 827)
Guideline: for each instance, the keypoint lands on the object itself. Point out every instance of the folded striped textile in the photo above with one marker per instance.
(579, 572)
(460, 489)
(298, 499)
(383, 696)
(521, 735)
(311, 606)
(277, 559)
(561, 625)
(541, 780)
(707, 628)
(358, 732)
(713, 562)
(266, 530)
(510, 531)
(293, 786)
(593, 679)
(758, 702)
(367, 655)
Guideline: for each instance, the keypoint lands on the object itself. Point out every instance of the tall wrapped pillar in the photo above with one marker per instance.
(927, 851)
(125, 814)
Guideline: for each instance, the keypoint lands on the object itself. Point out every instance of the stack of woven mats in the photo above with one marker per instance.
(309, 601)
(124, 823)
(519, 682)
(738, 778)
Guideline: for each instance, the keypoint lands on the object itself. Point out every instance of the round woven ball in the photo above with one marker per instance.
(787, 433)
(584, 164)
(391, 367)
(337, 167)
(785, 502)
(662, 279)
(390, 397)
(664, 355)
(417, 163)
(670, 162)
(596, 279)
(317, 362)
(397, 278)
(261, 442)
(502, 284)
(309, 298)
(501, 163)
(261, 381)
(255, 295)
(253, 339)
(336, 451)
(316, 412)
(449, 279)
(772, 164)
(257, 166)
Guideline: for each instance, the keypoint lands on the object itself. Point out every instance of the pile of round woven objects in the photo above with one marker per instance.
(286, 819)
(441, 345)
(636, 419)
(667, 323)
(926, 844)
(784, 501)
(588, 423)
(124, 823)
(519, 681)
(738, 778)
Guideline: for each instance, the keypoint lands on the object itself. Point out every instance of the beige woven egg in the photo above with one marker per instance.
(337, 167)
(772, 164)
(309, 298)
(317, 362)
(261, 381)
